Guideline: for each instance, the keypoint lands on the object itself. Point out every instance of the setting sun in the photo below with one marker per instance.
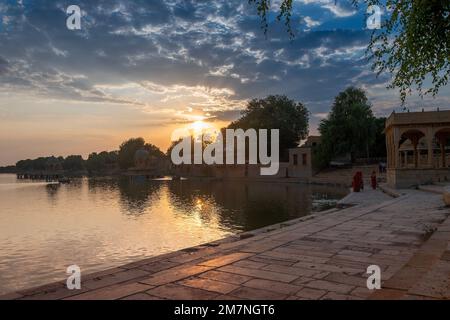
(195, 129)
(228, 150)
(198, 126)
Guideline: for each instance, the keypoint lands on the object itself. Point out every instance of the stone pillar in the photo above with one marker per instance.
(396, 141)
(442, 139)
(415, 156)
(388, 150)
(430, 146)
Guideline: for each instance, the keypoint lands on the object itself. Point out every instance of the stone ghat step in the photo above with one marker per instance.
(426, 275)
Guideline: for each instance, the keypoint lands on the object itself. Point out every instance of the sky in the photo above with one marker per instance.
(147, 67)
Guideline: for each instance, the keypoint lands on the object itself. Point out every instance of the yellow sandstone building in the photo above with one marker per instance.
(417, 151)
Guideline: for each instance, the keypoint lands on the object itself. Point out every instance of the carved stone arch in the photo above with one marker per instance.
(414, 135)
(442, 135)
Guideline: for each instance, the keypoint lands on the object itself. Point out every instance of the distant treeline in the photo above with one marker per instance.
(105, 161)
(350, 128)
(8, 169)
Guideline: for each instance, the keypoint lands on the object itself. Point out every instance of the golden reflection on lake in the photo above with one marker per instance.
(106, 222)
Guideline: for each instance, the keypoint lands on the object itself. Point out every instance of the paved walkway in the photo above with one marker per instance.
(367, 197)
(324, 256)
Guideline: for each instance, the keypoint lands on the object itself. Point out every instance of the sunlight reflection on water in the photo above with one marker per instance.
(101, 223)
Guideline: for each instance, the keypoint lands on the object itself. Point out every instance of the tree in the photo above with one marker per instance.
(102, 161)
(413, 43)
(73, 163)
(276, 112)
(378, 149)
(38, 164)
(172, 145)
(8, 169)
(128, 149)
(349, 128)
(154, 150)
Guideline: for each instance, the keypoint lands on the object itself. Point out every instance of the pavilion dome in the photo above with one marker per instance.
(141, 155)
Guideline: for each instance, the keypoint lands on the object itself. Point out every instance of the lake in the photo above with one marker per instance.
(105, 222)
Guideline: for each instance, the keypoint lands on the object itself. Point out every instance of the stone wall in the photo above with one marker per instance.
(406, 178)
(251, 171)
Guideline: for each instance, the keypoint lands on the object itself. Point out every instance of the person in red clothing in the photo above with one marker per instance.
(356, 184)
(373, 180)
(361, 180)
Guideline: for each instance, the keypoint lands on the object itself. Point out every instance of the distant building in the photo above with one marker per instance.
(417, 148)
(301, 159)
(142, 160)
(300, 165)
(312, 141)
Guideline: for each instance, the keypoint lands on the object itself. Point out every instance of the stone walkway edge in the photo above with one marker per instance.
(320, 256)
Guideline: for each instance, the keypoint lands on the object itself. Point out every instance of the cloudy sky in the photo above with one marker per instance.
(146, 67)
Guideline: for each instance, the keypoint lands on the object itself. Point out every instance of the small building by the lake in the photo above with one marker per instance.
(300, 165)
(417, 148)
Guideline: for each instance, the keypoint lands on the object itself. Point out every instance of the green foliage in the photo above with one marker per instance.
(154, 150)
(412, 45)
(100, 162)
(263, 7)
(73, 163)
(96, 162)
(173, 144)
(128, 149)
(276, 112)
(378, 149)
(39, 164)
(349, 128)
(8, 169)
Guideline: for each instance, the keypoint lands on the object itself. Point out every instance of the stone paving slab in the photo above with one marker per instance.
(322, 257)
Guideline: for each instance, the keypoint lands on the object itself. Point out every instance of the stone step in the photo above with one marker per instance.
(426, 275)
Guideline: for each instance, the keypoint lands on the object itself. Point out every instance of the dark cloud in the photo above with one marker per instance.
(3, 65)
(226, 115)
(214, 44)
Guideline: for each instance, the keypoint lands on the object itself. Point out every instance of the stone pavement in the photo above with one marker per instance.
(323, 256)
(367, 197)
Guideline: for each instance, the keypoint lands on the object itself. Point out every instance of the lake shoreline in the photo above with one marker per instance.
(330, 260)
(210, 271)
(227, 242)
(98, 223)
(192, 252)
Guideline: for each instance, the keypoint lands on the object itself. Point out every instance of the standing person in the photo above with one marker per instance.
(383, 166)
(355, 183)
(373, 180)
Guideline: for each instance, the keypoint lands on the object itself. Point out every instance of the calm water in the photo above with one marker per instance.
(101, 223)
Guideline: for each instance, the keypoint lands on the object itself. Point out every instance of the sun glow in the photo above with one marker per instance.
(196, 129)
(199, 126)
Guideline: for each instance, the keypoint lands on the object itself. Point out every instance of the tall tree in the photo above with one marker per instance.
(127, 151)
(154, 150)
(276, 112)
(412, 45)
(349, 128)
(378, 149)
